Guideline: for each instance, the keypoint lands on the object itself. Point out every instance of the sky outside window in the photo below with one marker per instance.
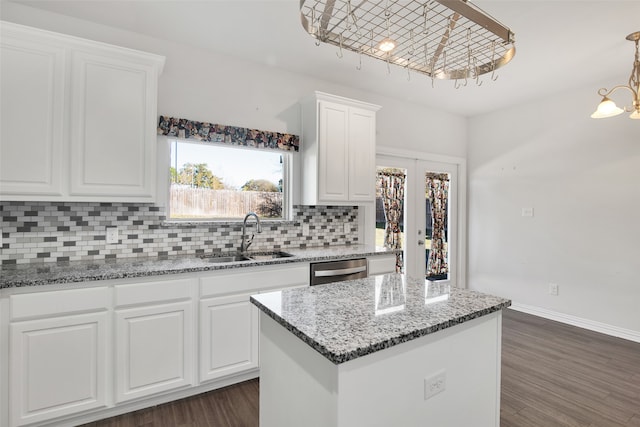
(235, 166)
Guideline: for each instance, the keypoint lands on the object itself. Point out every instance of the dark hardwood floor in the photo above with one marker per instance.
(236, 406)
(559, 375)
(552, 375)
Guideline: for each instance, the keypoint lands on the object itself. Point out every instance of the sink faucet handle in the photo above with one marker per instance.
(249, 242)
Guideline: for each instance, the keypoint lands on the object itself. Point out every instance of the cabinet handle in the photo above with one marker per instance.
(340, 272)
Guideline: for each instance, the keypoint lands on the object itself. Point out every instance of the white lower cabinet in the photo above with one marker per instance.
(229, 323)
(154, 349)
(154, 337)
(82, 354)
(57, 365)
(229, 335)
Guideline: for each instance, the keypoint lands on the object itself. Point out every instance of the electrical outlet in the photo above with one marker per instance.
(553, 289)
(305, 229)
(437, 383)
(527, 212)
(112, 235)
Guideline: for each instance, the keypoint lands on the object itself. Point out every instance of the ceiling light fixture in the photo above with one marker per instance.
(444, 39)
(608, 108)
(387, 45)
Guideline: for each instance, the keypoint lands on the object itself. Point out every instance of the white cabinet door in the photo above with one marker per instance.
(58, 366)
(78, 119)
(113, 117)
(229, 335)
(362, 155)
(333, 136)
(31, 120)
(154, 349)
(338, 150)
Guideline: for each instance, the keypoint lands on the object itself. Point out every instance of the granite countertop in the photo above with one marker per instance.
(82, 271)
(346, 320)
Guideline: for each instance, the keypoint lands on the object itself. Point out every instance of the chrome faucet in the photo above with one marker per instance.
(245, 243)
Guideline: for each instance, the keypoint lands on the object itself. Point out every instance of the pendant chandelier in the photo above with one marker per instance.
(443, 39)
(608, 108)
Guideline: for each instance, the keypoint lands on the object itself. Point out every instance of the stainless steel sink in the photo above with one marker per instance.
(222, 259)
(260, 256)
(255, 256)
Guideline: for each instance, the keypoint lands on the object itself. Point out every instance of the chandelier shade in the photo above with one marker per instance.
(608, 108)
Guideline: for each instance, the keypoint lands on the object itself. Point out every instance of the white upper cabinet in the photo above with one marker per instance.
(32, 79)
(113, 124)
(338, 150)
(362, 155)
(78, 119)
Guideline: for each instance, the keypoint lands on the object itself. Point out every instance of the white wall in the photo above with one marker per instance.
(582, 178)
(202, 85)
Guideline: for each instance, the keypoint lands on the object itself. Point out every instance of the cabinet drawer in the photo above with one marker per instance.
(58, 302)
(258, 279)
(382, 264)
(156, 291)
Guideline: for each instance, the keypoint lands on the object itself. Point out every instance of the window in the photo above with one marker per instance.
(219, 182)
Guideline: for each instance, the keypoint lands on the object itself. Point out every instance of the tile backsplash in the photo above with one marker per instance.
(52, 231)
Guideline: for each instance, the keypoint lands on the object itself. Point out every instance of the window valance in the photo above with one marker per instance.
(233, 135)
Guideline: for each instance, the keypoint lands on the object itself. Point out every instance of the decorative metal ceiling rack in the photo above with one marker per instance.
(444, 39)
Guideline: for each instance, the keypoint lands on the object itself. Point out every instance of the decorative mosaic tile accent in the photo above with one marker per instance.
(52, 231)
(210, 132)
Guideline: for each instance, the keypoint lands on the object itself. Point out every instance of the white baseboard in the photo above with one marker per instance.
(591, 325)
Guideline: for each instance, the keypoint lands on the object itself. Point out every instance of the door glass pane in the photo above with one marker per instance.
(390, 210)
(436, 226)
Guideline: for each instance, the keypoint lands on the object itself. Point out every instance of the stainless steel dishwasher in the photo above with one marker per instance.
(337, 271)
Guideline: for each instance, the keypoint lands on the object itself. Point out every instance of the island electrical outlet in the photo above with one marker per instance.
(437, 383)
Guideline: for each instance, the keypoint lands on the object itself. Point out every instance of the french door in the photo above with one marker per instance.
(432, 242)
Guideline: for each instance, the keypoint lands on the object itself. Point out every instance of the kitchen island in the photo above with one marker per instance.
(382, 351)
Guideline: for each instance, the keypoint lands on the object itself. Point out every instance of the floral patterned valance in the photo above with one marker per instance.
(210, 132)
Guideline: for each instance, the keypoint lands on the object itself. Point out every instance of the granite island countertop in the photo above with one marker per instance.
(346, 320)
(37, 274)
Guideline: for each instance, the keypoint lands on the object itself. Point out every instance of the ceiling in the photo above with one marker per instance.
(559, 45)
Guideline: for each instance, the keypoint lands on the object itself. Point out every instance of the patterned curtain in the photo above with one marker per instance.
(223, 134)
(437, 186)
(391, 185)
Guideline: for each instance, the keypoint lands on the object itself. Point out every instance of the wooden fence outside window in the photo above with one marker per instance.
(187, 202)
